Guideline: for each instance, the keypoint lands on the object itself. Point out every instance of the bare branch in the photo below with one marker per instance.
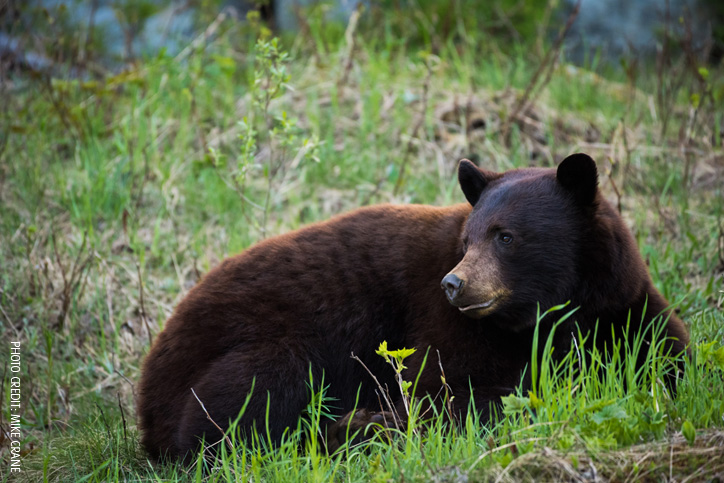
(208, 416)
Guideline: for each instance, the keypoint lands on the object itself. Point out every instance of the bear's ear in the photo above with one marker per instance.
(578, 174)
(473, 180)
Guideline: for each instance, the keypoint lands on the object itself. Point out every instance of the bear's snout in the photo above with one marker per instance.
(453, 286)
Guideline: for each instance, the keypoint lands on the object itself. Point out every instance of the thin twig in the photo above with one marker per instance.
(500, 448)
(618, 193)
(720, 241)
(105, 422)
(239, 189)
(446, 386)
(384, 418)
(57, 259)
(671, 463)
(123, 418)
(350, 46)
(60, 108)
(210, 30)
(77, 269)
(416, 129)
(627, 150)
(578, 351)
(385, 393)
(143, 305)
(10, 323)
(208, 416)
(546, 65)
(130, 383)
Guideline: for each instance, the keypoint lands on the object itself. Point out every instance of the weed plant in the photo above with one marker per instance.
(120, 189)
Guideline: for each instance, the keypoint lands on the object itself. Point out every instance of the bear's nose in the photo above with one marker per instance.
(452, 285)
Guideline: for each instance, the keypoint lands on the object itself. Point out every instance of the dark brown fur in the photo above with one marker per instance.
(308, 299)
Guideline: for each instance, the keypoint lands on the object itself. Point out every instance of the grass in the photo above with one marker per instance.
(119, 192)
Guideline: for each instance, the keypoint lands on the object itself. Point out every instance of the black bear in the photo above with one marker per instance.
(302, 302)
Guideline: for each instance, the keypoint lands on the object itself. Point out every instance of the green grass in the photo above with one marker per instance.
(113, 205)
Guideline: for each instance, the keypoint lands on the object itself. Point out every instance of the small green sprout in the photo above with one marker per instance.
(396, 358)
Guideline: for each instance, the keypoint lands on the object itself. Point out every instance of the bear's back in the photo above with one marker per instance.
(325, 291)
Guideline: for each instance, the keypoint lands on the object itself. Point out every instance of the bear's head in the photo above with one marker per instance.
(522, 242)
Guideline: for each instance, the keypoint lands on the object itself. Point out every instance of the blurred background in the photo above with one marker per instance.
(42, 33)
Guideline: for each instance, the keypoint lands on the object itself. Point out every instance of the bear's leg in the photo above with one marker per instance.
(281, 382)
(359, 425)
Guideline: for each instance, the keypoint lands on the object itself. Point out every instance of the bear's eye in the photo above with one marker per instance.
(505, 238)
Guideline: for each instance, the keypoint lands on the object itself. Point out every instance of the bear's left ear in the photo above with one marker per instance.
(578, 174)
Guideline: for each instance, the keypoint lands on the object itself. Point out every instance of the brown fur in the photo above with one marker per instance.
(306, 300)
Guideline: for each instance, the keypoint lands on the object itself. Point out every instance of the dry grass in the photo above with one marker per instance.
(671, 460)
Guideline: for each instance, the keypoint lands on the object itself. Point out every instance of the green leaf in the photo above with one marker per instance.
(402, 354)
(718, 357)
(707, 353)
(689, 432)
(226, 64)
(505, 459)
(610, 413)
(514, 404)
(535, 401)
(383, 352)
(596, 406)
(186, 93)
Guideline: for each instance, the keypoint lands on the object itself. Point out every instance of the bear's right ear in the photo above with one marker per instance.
(473, 180)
